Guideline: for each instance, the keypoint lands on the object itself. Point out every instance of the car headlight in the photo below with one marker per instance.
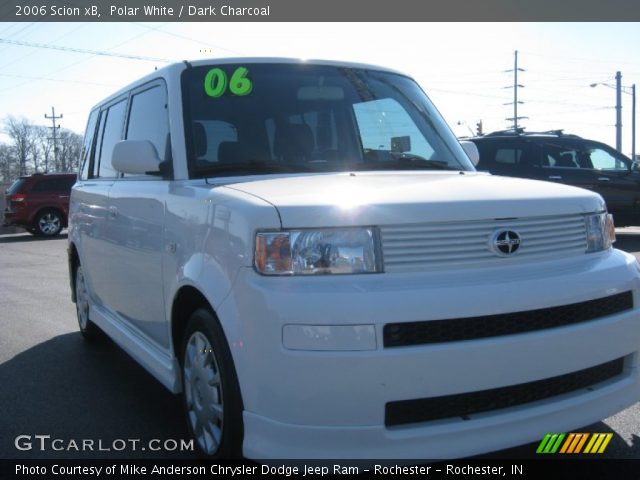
(318, 251)
(601, 231)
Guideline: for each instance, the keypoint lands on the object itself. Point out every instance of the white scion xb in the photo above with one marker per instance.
(306, 253)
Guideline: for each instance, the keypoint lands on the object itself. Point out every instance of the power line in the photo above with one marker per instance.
(35, 51)
(569, 104)
(14, 33)
(184, 37)
(82, 50)
(67, 66)
(574, 59)
(58, 80)
(571, 112)
(458, 92)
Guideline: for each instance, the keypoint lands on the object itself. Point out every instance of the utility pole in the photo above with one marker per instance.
(54, 137)
(619, 88)
(515, 87)
(619, 111)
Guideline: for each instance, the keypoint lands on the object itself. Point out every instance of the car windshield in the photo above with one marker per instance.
(252, 119)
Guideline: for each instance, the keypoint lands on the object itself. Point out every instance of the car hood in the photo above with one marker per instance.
(392, 198)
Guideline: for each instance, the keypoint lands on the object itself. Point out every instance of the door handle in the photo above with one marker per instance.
(555, 177)
(113, 212)
(604, 179)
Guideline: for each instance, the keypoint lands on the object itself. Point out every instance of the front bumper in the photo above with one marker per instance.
(330, 403)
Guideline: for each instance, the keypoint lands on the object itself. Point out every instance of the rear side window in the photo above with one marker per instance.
(111, 135)
(558, 156)
(67, 184)
(510, 156)
(506, 154)
(50, 185)
(89, 137)
(148, 119)
(16, 187)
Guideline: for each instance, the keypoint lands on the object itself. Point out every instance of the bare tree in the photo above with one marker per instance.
(7, 162)
(31, 149)
(44, 145)
(69, 151)
(22, 134)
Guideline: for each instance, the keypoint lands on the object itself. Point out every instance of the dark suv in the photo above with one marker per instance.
(39, 203)
(569, 159)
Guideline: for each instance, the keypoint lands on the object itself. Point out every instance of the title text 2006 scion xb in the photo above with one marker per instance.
(304, 250)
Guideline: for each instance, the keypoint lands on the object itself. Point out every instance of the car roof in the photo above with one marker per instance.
(174, 70)
(521, 133)
(50, 175)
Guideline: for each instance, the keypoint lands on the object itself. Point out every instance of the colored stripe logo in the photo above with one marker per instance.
(593, 443)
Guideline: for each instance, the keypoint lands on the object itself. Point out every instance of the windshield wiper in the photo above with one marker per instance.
(408, 161)
(249, 168)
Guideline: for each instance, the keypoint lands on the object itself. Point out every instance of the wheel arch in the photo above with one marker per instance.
(73, 260)
(187, 300)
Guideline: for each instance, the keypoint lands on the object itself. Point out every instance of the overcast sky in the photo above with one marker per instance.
(461, 66)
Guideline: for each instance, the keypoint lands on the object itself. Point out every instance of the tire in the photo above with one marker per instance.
(48, 223)
(211, 394)
(88, 329)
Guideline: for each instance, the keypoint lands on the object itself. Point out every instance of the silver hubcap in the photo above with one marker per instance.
(49, 223)
(203, 392)
(82, 300)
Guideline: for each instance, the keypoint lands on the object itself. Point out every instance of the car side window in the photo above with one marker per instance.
(89, 137)
(603, 160)
(510, 155)
(559, 156)
(110, 136)
(46, 185)
(149, 119)
(96, 155)
(67, 184)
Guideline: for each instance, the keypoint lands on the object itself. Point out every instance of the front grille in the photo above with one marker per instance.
(465, 404)
(465, 244)
(471, 328)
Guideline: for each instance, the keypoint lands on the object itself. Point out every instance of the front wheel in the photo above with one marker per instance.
(212, 400)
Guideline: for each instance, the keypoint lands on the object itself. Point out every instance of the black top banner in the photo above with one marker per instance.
(317, 10)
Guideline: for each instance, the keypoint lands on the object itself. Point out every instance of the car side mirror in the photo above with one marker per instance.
(136, 157)
(471, 150)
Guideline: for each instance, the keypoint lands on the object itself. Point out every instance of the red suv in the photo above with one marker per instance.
(39, 203)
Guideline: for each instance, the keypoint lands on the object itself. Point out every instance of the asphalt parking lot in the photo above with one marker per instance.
(54, 384)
